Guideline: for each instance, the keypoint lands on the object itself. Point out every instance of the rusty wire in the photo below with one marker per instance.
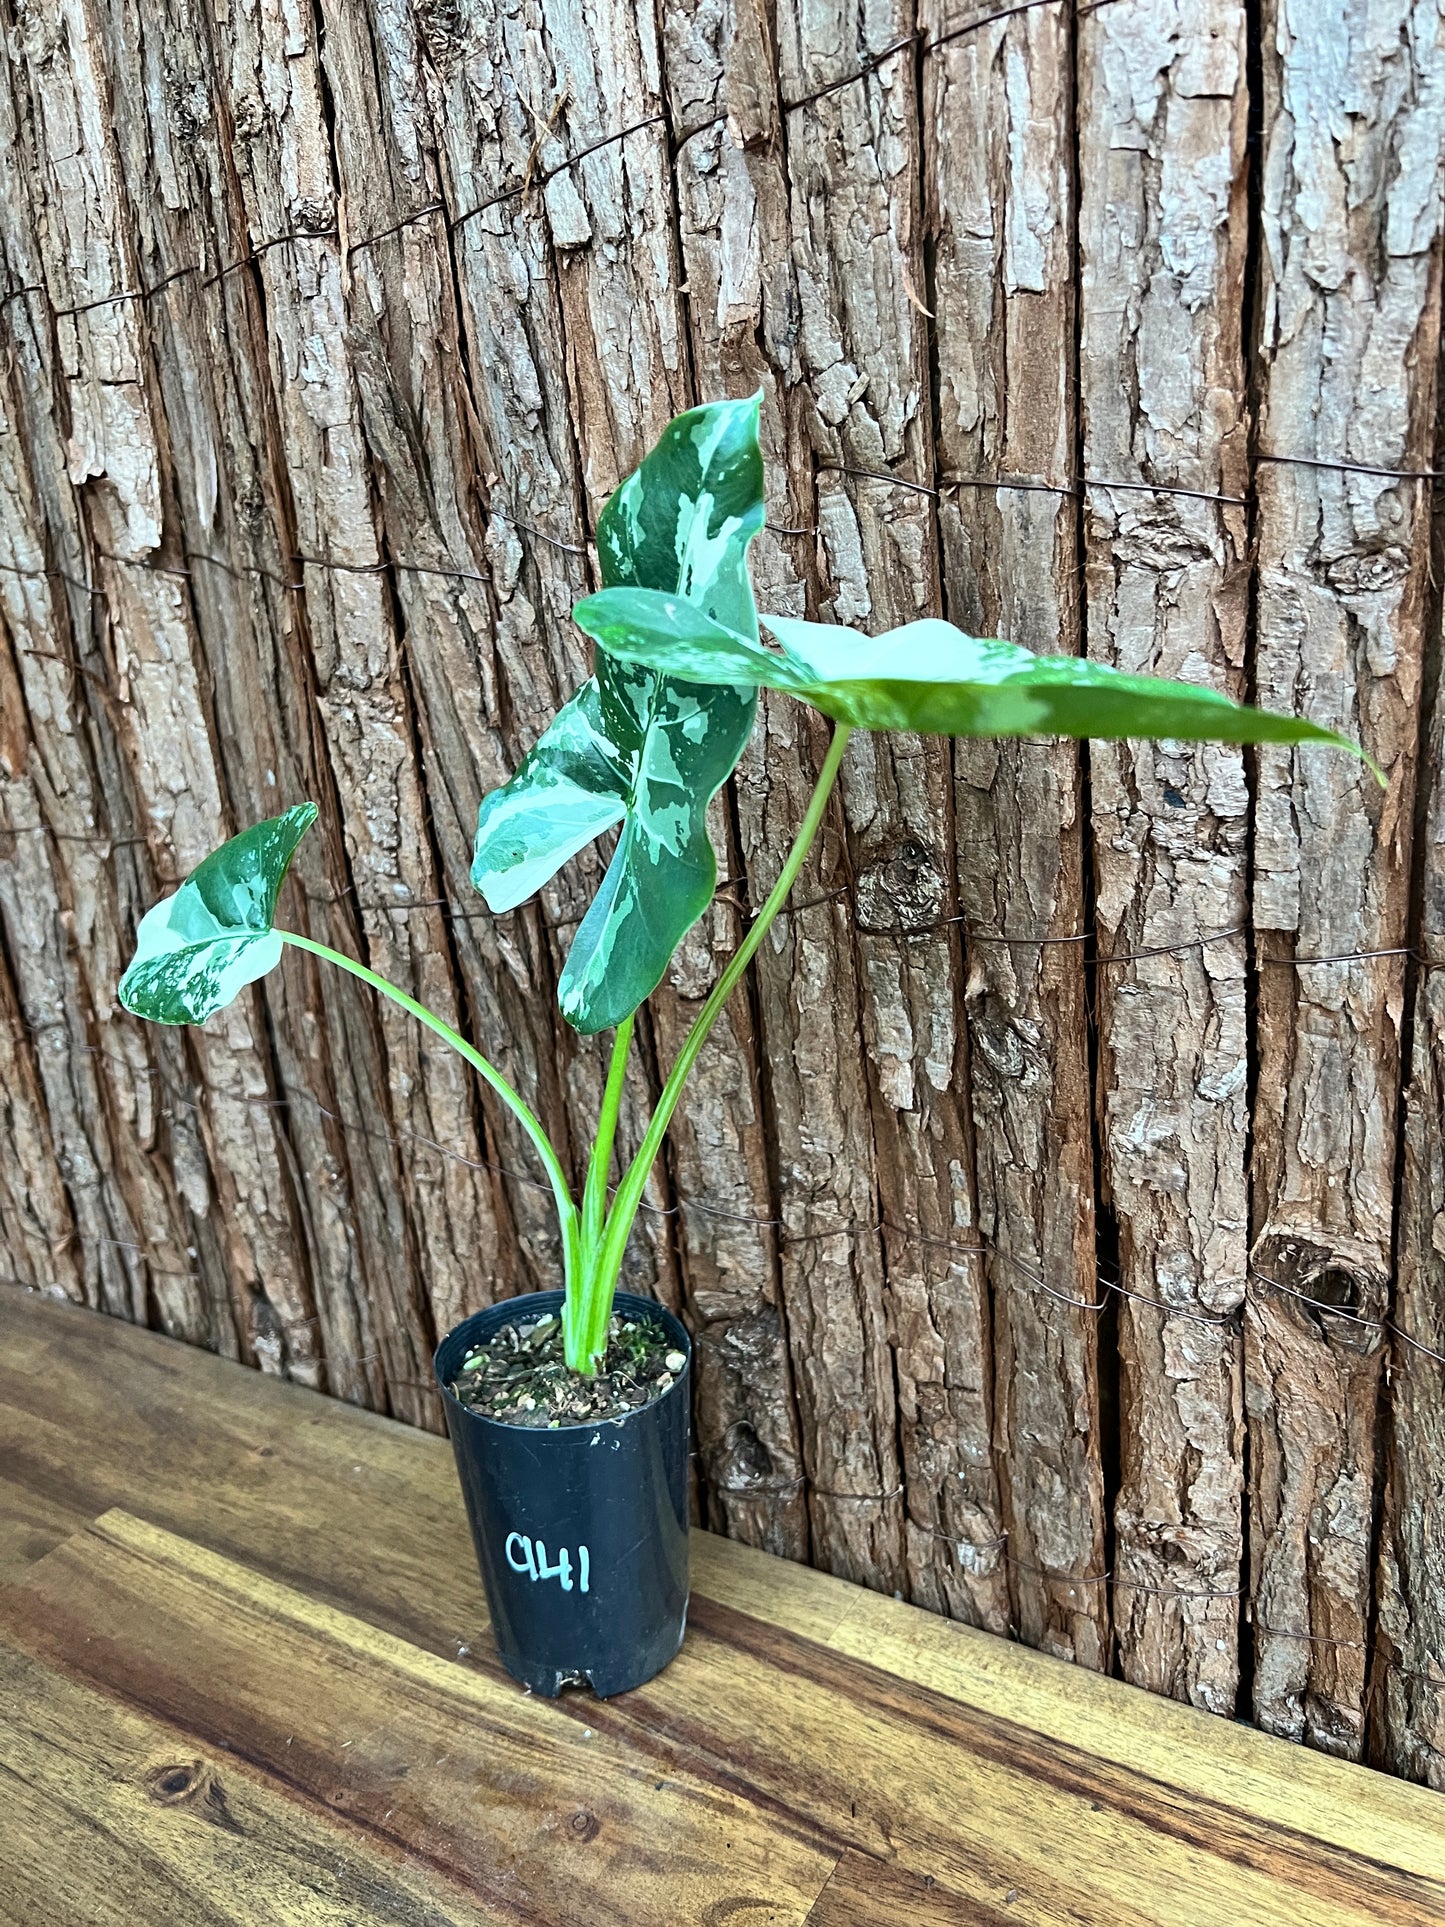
(980, 1247)
(401, 565)
(538, 179)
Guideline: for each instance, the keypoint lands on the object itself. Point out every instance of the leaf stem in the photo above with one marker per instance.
(566, 1208)
(594, 1240)
(584, 1326)
(629, 1193)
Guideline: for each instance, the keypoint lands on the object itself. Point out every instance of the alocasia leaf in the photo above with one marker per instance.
(682, 522)
(644, 750)
(684, 742)
(930, 677)
(567, 790)
(196, 949)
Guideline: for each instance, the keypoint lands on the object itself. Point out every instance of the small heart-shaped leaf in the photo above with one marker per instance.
(195, 950)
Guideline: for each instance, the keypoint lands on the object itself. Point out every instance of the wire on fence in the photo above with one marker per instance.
(1099, 959)
(401, 565)
(538, 178)
(788, 1234)
(534, 178)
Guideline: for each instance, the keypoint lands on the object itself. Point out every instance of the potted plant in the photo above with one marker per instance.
(568, 1410)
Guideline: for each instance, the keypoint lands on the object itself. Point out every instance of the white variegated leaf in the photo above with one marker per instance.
(196, 949)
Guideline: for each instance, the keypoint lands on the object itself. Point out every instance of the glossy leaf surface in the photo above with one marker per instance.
(930, 677)
(196, 949)
(634, 747)
(682, 522)
(683, 741)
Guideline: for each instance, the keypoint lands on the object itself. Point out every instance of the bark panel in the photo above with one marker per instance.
(1408, 1695)
(289, 184)
(851, 139)
(1349, 300)
(36, 1222)
(740, 299)
(1163, 230)
(76, 868)
(1407, 1704)
(1001, 217)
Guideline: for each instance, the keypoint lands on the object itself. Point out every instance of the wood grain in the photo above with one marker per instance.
(113, 1817)
(523, 1806)
(288, 1658)
(860, 1893)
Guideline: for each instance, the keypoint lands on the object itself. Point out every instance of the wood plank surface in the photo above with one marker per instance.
(528, 1807)
(112, 1820)
(247, 1679)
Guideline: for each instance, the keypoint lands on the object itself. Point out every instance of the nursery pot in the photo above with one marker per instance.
(580, 1532)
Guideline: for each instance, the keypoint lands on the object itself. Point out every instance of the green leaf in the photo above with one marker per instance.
(664, 633)
(646, 751)
(683, 520)
(567, 790)
(195, 950)
(662, 875)
(930, 677)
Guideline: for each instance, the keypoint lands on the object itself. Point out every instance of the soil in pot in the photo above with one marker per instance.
(519, 1374)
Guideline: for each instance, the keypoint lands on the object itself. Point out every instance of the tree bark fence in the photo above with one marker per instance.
(1061, 1211)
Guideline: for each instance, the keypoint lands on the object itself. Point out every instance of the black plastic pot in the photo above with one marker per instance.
(581, 1532)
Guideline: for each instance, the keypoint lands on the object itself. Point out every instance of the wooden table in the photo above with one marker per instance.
(247, 1678)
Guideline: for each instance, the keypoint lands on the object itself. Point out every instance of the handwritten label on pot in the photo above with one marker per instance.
(525, 1555)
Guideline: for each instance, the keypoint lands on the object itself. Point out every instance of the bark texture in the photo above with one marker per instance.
(1405, 1682)
(1001, 214)
(1348, 324)
(998, 1196)
(1163, 230)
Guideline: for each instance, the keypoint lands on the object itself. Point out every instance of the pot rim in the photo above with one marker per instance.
(558, 1297)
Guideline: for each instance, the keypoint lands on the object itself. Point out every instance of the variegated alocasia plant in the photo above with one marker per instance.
(643, 747)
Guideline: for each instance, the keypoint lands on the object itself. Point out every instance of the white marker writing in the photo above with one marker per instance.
(524, 1556)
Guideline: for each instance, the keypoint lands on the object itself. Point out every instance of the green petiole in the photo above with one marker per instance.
(594, 1239)
(567, 1216)
(589, 1308)
(629, 1193)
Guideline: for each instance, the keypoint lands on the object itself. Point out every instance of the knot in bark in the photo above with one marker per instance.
(905, 891)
